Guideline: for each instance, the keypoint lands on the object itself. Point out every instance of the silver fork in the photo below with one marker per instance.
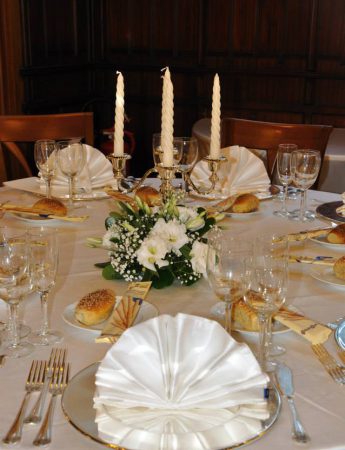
(57, 358)
(59, 382)
(336, 371)
(34, 382)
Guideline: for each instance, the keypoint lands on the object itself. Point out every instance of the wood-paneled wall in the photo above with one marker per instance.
(279, 60)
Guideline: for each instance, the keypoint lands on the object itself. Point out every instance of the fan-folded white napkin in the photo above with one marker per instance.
(96, 173)
(243, 172)
(179, 383)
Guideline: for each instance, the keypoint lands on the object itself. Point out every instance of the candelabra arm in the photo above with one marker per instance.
(190, 183)
(213, 165)
(127, 190)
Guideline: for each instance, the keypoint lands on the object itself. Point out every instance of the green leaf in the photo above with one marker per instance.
(101, 265)
(148, 274)
(163, 279)
(109, 273)
(185, 250)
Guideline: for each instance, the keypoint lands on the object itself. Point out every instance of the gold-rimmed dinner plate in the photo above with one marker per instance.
(77, 405)
(147, 311)
(326, 275)
(218, 310)
(329, 211)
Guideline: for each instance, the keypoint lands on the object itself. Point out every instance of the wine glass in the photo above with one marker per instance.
(266, 287)
(225, 269)
(158, 152)
(45, 159)
(284, 173)
(44, 264)
(188, 158)
(15, 284)
(278, 246)
(71, 160)
(305, 167)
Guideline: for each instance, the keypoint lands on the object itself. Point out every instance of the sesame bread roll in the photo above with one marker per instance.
(95, 307)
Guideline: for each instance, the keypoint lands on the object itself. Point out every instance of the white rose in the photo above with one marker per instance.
(199, 255)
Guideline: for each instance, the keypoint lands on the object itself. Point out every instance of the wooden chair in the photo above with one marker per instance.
(268, 135)
(20, 129)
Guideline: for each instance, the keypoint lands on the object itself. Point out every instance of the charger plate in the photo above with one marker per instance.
(339, 335)
(328, 211)
(77, 405)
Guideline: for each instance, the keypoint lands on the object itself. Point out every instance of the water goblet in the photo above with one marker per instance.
(188, 159)
(305, 167)
(225, 269)
(15, 284)
(266, 286)
(284, 173)
(45, 159)
(44, 265)
(71, 160)
(158, 152)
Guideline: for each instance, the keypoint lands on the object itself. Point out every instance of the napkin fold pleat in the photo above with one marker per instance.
(243, 172)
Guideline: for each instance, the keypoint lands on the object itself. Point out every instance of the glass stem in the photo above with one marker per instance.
(269, 333)
(303, 204)
(262, 355)
(13, 325)
(284, 209)
(48, 187)
(228, 316)
(44, 307)
(70, 191)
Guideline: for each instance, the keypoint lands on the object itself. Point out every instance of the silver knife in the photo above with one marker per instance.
(284, 376)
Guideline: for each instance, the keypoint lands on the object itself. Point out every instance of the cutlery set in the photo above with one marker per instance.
(335, 370)
(43, 376)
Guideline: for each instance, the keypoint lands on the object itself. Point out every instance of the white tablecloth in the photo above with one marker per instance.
(320, 401)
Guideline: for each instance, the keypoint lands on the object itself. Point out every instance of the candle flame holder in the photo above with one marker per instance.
(166, 175)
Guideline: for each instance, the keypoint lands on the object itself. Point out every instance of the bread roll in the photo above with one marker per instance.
(95, 307)
(50, 206)
(245, 203)
(244, 316)
(149, 195)
(339, 268)
(337, 235)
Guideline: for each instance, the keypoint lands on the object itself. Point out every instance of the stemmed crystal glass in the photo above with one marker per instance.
(284, 173)
(45, 159)
(15, 284)
(158, 152)
(189, 157)
(44, 265)
(266, 288)
(305, 167)
(225, 269)
(71, 160)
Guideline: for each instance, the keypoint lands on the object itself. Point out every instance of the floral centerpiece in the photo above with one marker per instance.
(158, 244)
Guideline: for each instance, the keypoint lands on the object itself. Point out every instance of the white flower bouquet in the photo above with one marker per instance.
(157, 244)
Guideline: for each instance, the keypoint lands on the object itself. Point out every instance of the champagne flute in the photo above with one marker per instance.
(188, 158)
(45, 159)
(266, 287)
(305, 167)
(44, 264)
(225, 269)
(71, 160)
(15, 284)
(284, 173)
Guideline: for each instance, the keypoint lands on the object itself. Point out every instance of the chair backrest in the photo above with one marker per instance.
(14, 129)
(268, 135)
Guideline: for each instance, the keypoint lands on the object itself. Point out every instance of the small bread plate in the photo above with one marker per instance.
(31, 218)
(329, 211)
(326, 275)
(217, 311)
(147, 311)
(242, 215)
(322, 240)
(77, 405)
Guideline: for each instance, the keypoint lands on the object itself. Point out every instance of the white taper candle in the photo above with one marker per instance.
(167, 131)
(215, 120)
(119, 115)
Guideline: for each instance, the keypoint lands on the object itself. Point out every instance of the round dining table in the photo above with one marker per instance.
(319, 399)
